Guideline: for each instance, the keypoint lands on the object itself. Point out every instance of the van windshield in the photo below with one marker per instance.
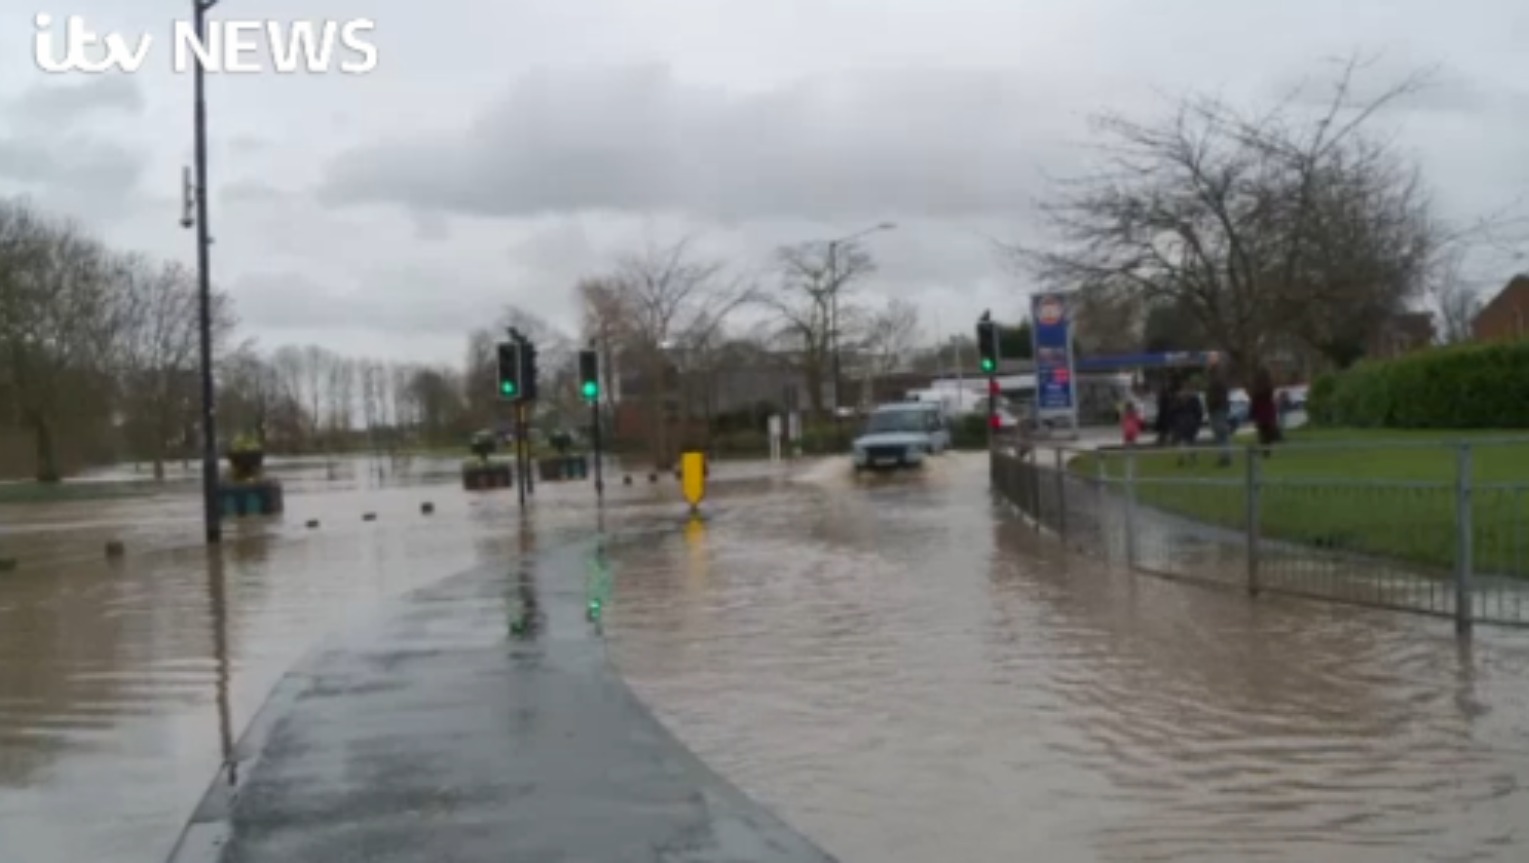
(896, 421)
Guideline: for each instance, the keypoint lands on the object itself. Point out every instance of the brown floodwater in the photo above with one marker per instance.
(898, 666)
(907, 673)
(122, 684)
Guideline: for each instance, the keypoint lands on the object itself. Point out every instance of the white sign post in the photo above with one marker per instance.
(774, 437)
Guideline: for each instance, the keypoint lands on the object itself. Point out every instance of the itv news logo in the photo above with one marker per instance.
(231, 46)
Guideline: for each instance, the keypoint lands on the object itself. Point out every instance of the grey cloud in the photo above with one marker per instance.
(83, 175)
(401, 300)
(56, 104)
(918, 142)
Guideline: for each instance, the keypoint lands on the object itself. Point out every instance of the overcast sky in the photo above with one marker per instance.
(502, 149)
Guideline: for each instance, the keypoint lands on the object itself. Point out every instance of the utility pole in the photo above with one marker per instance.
(212, 514)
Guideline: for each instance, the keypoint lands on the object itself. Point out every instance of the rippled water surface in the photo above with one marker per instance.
(123, 683)
(907, 673)
(898, 666)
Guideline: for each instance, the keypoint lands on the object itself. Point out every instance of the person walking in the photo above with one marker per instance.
(1164, 421)
(1188, 416)
(1263, 411)
(1130, 423)
(1218, 404)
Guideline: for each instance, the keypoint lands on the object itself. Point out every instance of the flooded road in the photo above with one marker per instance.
(898, 667)
(906, 674)
(123, 683)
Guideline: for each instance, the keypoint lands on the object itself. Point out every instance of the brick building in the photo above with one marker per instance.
(1506, 316)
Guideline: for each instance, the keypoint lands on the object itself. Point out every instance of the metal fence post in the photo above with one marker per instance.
(1061, 494)
(1254, 498)
(1035, 486)
(1464, 613)
(1130, 514)
(1102, 510)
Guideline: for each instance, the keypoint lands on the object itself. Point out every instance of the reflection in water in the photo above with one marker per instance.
(217, 594)
(124, 687)
(907, 676)
(903, 674)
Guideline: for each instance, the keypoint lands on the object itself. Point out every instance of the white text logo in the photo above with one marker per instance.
(239, 47)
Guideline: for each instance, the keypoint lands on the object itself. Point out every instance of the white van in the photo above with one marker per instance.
(901, 435)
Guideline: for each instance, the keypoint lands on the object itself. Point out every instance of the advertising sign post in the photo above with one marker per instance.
(1056, 394)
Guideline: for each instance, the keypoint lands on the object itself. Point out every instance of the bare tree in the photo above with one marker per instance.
(340, 395)
(890, 337)
(814, 278)
(605, 326)
(1268, 228)
(249, 399)
(669, 296)
(159, 356)
(58, 324)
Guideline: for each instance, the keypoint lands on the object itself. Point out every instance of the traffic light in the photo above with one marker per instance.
(589, 375)
(509, 371)
(528, 371)
(987, 346)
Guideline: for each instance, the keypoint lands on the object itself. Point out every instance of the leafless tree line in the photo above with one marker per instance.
(100, 353)
(670, 323)
(100, 361)
(1273, 232)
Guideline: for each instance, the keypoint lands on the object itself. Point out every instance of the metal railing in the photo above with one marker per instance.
(1429, 527)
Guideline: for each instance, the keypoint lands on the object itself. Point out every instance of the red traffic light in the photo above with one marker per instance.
(994, 422)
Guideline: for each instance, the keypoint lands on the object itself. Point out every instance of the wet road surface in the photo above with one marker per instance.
(123, 684)
(905, 674)
(425, 737)
(897, 667)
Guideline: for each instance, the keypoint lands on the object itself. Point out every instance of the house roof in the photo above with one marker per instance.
(1516, 288)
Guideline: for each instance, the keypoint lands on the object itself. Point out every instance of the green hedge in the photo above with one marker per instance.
(969, 432)
(1462, 387)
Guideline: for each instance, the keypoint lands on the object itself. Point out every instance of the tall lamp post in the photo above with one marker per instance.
(833, 313)
(212, 514)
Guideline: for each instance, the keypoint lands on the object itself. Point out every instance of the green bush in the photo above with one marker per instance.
(969, 432)
(1319, 401)
(1463, 387)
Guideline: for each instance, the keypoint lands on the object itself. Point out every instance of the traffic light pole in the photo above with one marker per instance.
(594, 439)
(525, 427)
(521, 468)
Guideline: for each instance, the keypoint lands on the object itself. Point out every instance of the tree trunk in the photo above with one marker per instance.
(47, 455)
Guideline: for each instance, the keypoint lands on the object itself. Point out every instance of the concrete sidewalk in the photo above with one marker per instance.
(436, 734)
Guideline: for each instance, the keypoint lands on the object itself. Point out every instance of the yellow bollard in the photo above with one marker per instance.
(693, 478)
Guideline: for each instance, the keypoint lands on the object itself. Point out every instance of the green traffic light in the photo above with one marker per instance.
(987, 364)
(507, 388)
(591, 389)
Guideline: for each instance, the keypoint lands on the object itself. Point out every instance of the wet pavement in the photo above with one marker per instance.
(122, 684)
(431, 736)
(897, 667)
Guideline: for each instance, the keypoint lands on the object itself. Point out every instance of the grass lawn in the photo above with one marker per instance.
(1384, 493)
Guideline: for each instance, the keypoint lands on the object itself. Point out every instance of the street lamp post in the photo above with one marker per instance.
(212, 514)
(833, 314)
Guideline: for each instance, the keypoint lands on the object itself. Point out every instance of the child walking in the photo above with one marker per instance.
(1130, 423)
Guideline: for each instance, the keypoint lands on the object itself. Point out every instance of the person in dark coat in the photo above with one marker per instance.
(1188, 416)
(1218, 404)
(1163, 424)
(1263, 410)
